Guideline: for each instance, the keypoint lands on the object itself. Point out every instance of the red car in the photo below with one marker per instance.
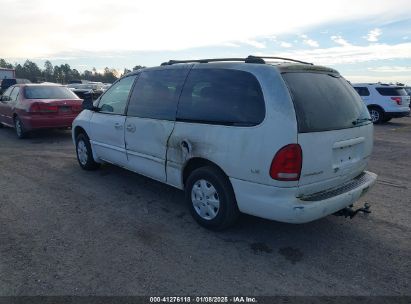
(29, 107)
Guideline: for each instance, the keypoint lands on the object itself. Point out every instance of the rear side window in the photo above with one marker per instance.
(324, 102)
(8, 91)
(221, 96)
(48, 92)
(362, 91)
(392, 91)
(156, 94)
(14, 94)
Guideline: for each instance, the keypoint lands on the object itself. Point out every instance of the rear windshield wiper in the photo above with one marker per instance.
(360, 120)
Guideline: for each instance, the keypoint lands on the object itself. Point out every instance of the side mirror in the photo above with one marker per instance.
(88, 102)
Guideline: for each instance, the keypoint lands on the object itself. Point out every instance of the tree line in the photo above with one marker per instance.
(62, 73)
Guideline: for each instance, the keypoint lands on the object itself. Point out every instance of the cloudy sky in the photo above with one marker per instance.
(366, 40)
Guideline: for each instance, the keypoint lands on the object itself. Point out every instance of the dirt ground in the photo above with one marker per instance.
(65, 231)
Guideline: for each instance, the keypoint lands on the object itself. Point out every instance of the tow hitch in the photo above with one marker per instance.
(350, 212)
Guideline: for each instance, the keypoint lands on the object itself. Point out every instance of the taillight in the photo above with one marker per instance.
(398, 100)
(287, 162)
(40, 107)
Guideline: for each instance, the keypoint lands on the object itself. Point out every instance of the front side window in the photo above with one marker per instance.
(114, 101)
(156, 94)
(222, 96)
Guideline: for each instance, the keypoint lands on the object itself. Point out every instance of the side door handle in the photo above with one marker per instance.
(131, 128)
(118, 126)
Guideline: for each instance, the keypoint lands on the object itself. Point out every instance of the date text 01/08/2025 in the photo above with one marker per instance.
(238, 299)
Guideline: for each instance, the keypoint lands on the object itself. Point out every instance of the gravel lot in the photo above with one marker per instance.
(65, 231)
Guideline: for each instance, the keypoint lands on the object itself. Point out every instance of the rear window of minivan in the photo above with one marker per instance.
(392, 91)
(324, 101)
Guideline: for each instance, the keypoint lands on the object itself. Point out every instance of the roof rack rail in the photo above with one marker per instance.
(249, 59)
(171, 62)
(280, 58)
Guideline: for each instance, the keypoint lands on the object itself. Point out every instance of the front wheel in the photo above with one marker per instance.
(84, 153)
(210, 198)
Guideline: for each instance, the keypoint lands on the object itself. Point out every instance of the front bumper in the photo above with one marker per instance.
(281, 204)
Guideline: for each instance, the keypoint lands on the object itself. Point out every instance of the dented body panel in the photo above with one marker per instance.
(146, 145)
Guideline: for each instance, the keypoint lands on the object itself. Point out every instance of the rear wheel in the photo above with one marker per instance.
(19, 127)
(84, 153)
(377, 115)
(211, 199)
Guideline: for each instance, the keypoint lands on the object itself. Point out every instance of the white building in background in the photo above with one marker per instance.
(7, 73)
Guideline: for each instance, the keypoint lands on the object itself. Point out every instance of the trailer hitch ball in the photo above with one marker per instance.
(350, 212)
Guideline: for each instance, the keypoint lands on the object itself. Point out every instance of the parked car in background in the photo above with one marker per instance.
(28, 107)
(287, 141)
(8, 82)
(384, 101)
(106, 86)
(408, 90)
(94, 89)
(75, 81)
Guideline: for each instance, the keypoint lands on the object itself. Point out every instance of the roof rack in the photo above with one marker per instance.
(280, 58)
(249, 59)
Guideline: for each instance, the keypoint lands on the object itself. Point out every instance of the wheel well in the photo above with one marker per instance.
(79, 130)
(195, 163)
(375, 106)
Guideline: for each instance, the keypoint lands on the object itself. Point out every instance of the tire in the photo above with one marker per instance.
(84, 153)
(377, 115)
(19, 127)
(210, 198)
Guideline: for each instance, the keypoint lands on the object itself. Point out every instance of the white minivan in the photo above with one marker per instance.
(283, 141)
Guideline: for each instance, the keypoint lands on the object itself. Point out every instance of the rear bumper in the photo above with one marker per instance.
(47, 121)
(281, 204)
(398, 114)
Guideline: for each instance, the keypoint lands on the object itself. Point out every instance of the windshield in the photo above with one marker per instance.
(324, 102)
(49, 92)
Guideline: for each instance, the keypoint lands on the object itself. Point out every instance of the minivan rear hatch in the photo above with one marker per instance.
(334, 128)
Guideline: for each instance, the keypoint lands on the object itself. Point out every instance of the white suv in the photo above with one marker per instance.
(287, 141)
(384, 101)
